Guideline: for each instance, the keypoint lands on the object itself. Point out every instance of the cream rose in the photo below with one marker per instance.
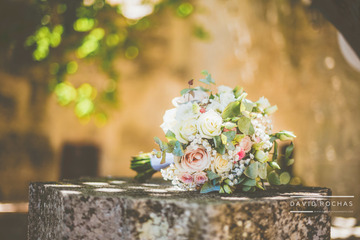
(209, 124)
(221, 165)
(194, 160)
(246, 143)
(169, 120)
(200, 178)
(185, 129)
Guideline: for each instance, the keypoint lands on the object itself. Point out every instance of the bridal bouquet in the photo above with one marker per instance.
(216, 142)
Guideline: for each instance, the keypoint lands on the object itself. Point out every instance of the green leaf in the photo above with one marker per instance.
(231, 110)
(171, 146)
(252, 170)
(275, 154)
(229, 125)
(249, 182)
(219, 146)
(170, 135)
(208, 187)
(285, 178)
(289, 150)
(227, 189)
(245, 125)
(258, 185)
(246, 188)
(237, 91)
(249, 105)
(186, 90)
(273, 178)
(274, 165)
(204, 89)
(211, 175)
(230, 135)
(162, 145)
(205, 72)
(223, 139)
(262, 170)
(230, 146)
(208, 79)
(290, 162)
(178, 150)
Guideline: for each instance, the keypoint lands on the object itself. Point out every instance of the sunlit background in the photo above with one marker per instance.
(84, 84)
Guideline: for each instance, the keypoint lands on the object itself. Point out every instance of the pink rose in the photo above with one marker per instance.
(186, 177)
(200, 178)
(246, 144)
(241, 154)
(195, 160)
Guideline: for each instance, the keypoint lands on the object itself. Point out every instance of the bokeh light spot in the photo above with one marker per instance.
(65, 93)
(84, 24)
(72, 67)
(84, 108)
(131, 52)
(184, 10)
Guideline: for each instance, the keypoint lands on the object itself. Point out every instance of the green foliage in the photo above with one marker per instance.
(273, 178)
(208, 79)
(245, 125)
(231, 110)
(209, 187)
(58, 34)
(252, 170)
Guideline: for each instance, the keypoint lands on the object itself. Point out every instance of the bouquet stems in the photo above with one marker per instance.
(142, 165)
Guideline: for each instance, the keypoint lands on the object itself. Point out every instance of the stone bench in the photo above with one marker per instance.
(122, 209)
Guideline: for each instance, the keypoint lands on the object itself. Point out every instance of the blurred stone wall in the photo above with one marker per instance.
(270, 48)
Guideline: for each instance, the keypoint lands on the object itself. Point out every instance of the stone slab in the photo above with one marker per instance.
(122, 209)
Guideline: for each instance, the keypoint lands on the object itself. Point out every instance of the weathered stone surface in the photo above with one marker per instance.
(122, 209)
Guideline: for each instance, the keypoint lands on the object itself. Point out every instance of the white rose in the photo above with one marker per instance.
(263, 103)
(221, 165)
(169, 120)
(224, 89)
(226, 98)
(209, 124)
(196, 95)
(187, 110)
(185, 129)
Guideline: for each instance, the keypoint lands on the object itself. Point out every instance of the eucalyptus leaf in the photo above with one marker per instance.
(262, 170)
(230, 135)
(223, 139)
(249, 182)
(290, 162)
(230, 146)
(245, 125)
(170, 135)
(252, 170)
(231, 110)
(258, 185)
(178, 150)
(211, 175)
(237, 91)
(273, 178)
(249, 105)
(219, 146)
(289, 150)
(162, 145)
(208, 187)
(227, 189)
(274, 165)
(275, 154)
(285, 178)
(246, 188)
